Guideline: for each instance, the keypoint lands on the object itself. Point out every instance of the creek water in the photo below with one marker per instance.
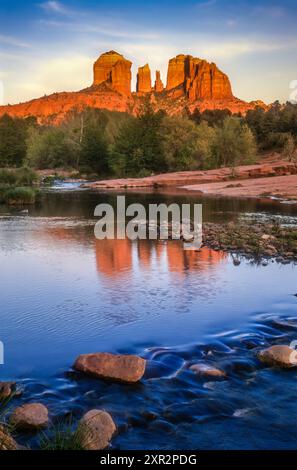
(64, 293)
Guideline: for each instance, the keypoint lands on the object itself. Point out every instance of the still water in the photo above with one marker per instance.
(64, 293)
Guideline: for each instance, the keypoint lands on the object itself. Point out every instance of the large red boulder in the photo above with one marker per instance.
(122, 368)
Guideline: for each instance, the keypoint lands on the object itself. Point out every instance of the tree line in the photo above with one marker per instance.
(105, 143)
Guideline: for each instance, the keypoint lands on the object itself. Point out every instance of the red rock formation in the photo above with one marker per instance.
(176, 72)
(191, 84)
(158, 83)
(113, 69)
(144, 81)
(199, 79)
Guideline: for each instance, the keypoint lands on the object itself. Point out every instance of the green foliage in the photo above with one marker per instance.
(206, 136)
(7, 177)
(49, 148)
(18, 177)
(138, 146)
(61, 437)
(234, 144)
(20, 196)
(272, 127)
(105, 143)
(213, 117)
(94, 150)
(290, 149)
(179, 141)
(13, 134)
(186, 146)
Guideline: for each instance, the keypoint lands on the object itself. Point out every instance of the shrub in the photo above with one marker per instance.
(7, 176)
(290, 149)
(20, 195)
(25, 176)
(234, 144)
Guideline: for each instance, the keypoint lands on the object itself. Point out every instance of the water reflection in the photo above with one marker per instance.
(114, 257)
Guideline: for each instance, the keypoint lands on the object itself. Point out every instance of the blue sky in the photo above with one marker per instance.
(48, 46)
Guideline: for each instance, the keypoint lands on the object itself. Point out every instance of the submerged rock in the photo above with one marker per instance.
(207, 370)
(32, 416)
(122, 368)
(279, 355)
(95, 430)
(7, 389)
(6, 441)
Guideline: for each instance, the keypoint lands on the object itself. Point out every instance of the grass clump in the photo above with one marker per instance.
(62, 437)
(20, 196)
(18, 177)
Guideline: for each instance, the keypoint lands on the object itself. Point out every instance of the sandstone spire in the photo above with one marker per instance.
(112, 68)
(158, 83)
(144, 82)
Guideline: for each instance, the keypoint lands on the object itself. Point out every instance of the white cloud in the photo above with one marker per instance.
(11, 41)
(55, 7)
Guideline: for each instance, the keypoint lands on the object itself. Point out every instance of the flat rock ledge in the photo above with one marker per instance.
(32, 416)
(121, 368)
(95, 430)
(279, 355)
(207, 370)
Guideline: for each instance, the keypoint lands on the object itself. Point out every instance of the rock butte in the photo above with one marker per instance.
(192, 83)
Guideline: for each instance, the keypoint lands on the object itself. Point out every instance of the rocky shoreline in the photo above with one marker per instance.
(96, 428)
(273, 174)
(257, 241)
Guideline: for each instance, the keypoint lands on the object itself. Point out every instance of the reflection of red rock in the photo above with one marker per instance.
(144, 248)
(113, 256)
(180, 259)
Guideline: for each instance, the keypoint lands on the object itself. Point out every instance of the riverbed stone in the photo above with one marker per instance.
(279, 355)
(32, 416)
(118, 367)
(7, 389)
(207, 370)
(95, 430)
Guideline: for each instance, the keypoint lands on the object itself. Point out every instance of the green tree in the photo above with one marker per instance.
(186, 146)
(49, 148)
(138, 148)
(94, 150)
(234, 143)
(290, 149)
(13, 133)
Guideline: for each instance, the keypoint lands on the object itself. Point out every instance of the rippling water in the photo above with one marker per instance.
(64, 293)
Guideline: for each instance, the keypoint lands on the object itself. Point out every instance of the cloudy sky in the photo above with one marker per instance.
(48, 46)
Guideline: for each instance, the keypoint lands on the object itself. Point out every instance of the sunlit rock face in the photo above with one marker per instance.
(114, 70)
(192, 83)
(198, 79)
(144, 81)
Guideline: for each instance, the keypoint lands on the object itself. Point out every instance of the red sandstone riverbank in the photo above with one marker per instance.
(278, 178)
